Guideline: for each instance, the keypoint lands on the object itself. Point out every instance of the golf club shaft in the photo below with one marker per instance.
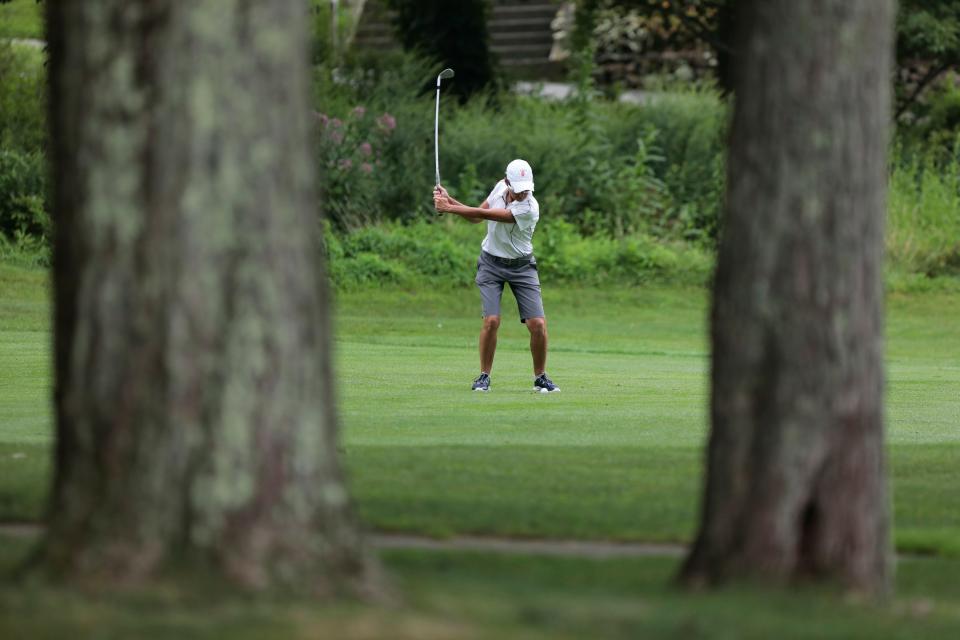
(436, 134)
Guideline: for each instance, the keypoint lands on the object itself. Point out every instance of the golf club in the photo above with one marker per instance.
(444, 75)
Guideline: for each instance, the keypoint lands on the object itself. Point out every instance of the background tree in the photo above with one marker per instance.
(796, 482)
(928, 37)
(194, 403)
(928, 45)
(455, 34)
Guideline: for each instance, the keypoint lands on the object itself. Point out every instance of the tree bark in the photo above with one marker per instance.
(194, 401)
(795, 484)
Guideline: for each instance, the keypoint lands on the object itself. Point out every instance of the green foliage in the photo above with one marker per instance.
(455, 35)
(608, 168)
(640, 39)
(24, 251)
(396, 119)
(392, 253)
(923, 229)
(23, 191)
(692, 131)
(928, 29)
(21, 19)
(944, 111)
(396, 254)
(607, 172)
(23, 133)
(443, 252)
(23, 112)
(327, 47)
(704, 33)
(935, 120)
(350, 162)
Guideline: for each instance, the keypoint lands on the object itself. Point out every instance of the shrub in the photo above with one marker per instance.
(21, 19)
(400, 186)
(691, 128)
(23, 114)
(22, 195)
(443, 251)
(438, 251)
(934, 121)
(564, 255)
(609, 168)
(350, 161)
(923, 228)
(427, 26)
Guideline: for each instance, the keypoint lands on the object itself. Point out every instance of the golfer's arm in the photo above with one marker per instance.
(470, 220)
(483, 205)
(476, 214)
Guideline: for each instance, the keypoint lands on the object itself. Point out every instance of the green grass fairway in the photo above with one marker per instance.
(475, 595)
(617, 454)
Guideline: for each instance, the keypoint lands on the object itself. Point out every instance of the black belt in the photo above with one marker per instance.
(510, 262)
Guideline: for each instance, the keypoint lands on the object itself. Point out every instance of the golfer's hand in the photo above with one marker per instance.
(439, 189)
(440, 202)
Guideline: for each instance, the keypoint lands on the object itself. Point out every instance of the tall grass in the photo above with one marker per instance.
(21, 19)
(607, 168)
(923, 227)
(441, 252)
(608, 174)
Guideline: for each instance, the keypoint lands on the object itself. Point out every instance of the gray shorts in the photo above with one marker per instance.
(521, 274)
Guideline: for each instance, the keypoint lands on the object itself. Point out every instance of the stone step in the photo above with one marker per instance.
(521, 37)
(539, 12)
(520, 31)
(504, 31)
(535, 24)
(521, 51)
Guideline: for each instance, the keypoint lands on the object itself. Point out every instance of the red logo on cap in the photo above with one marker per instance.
(523, 172)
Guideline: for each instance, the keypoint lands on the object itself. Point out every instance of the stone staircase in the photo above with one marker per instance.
(520, 34)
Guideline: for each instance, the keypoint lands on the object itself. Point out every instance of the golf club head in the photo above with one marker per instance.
(446, 74)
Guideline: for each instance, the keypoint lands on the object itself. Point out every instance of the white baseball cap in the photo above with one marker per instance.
(520, 176)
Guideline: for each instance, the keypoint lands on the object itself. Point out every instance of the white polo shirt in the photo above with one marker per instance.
(511, 240)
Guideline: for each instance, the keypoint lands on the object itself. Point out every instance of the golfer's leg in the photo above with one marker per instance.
(538, 344)
(525, 284)
(488, 342)
(490, 282)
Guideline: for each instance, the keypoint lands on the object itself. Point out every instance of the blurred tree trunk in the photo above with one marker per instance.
(796, 484)
(194, 401)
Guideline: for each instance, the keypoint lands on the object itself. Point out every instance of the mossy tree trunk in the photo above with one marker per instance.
(795, 485)
(194, 402)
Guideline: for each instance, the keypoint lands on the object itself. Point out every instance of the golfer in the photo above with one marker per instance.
(506, 256)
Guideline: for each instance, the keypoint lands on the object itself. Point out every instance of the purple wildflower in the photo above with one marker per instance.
(366, 167)
(366, 149)
(387, 122)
